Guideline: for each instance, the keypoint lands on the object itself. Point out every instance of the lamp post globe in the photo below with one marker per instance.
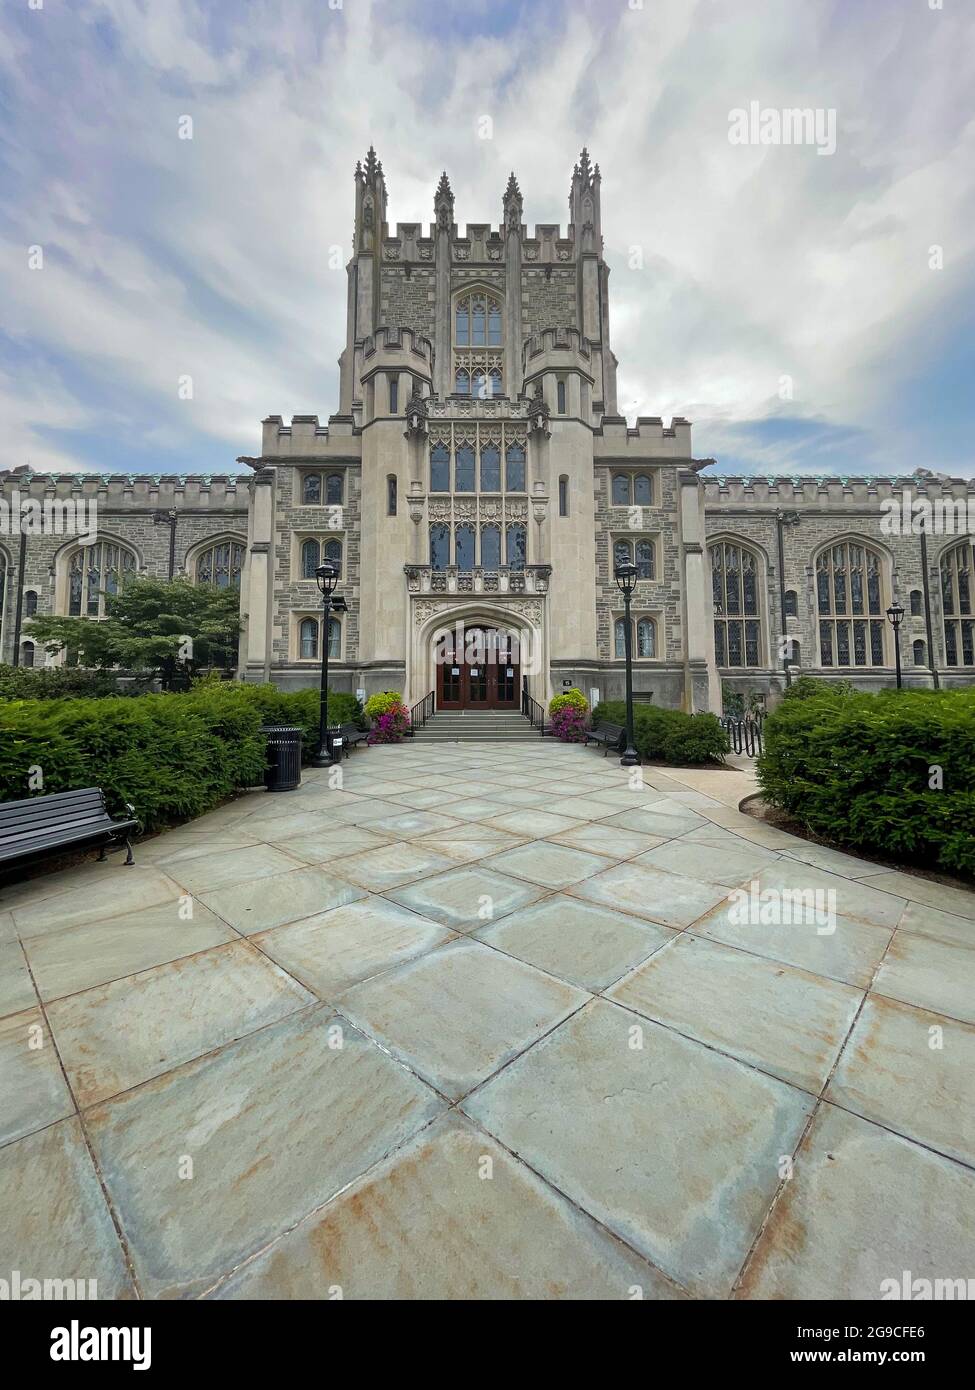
(326, 577)
(625, 575)
(895, 616)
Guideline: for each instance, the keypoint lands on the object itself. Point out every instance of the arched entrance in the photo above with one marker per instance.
(478, 667)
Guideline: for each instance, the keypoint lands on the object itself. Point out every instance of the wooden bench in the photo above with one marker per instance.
(611, 735)
(42, 825)
(351, 734)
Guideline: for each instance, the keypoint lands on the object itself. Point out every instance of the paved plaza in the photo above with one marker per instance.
(487, 1022)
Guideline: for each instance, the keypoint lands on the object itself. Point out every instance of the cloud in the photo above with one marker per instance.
(733, 267)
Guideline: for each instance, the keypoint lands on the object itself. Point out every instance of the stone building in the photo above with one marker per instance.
(476, 487)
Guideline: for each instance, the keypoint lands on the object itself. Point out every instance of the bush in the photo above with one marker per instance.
(856, 768)
(172, 756)
(569, 723)
(382, 703)
(66, 682)
(569, 699)
(669, 735)
(392, 725)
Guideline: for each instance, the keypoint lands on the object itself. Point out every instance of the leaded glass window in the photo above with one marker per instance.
(848, 599)
(516, 547)
(646, 638)
(220, 565)
(490, 468)
(439, 468)
(515, 468)
(956, 602)
(308, 639)
(737, 616)
(464, 468)
(96, 573)
(439, 546)
(491, 548)
(464, 547)
(478, 345)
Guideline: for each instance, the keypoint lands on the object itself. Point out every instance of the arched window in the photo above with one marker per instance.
(516, 545)
(439, 547)
(737, 620)
(219, 565)
(334, 638)
(791, 604)
(491, 548)
(920, 655)
(956, 602)
(30, 601)
(309, 559)
(464, 465)
(96, 573)
(619, 639)
(478, 344)
(646, 638)
(332, 552)
(334, 489)
(850, 605)
(515, 468)
(311, 490)
(643, 490)
(621, 489)
(439, 468)
(644, 560)
(464, 547)
(490, 468)
(392, 499)
(917, 603)
(27, 654)
(308, 639)
(622, 553)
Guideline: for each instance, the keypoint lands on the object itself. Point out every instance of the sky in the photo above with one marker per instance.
(809, 312)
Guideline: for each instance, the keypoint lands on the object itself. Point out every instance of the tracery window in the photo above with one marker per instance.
(850, 605)
(956, 603)
(637, 552)
(478, 345)
(319, 487)
(315, 553)
(96, 573)
(737, 617)
(220, 565)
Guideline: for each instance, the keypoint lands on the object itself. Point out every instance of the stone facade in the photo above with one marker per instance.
(477, 474)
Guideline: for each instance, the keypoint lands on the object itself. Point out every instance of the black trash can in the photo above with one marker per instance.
(282, 771)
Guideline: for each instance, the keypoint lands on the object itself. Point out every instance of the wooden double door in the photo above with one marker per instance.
(478, 669)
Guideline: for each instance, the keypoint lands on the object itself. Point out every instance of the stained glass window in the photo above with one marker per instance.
(848, 597)
(956, 602)
(734, 590)
(95, 573)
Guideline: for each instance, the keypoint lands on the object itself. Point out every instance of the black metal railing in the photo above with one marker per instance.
(421, 712)
(533, 711)
(744, 735)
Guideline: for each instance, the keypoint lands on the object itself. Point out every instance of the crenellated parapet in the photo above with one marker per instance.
(142, 492)
(854, 492)
(616, 441)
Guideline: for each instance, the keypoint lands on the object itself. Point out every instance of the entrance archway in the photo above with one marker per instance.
(478, 667)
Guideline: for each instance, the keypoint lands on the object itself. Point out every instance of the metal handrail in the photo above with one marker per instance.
(533, 711)
(422, 711)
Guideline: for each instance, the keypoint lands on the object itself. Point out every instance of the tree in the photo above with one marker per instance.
(172, 626)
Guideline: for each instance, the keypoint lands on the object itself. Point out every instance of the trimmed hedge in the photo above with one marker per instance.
(669, 735)
(857, 769)
(172, 756)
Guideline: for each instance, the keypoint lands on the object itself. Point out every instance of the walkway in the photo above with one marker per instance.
(486, 1023)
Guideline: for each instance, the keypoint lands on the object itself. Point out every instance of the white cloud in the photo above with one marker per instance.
(210, 256)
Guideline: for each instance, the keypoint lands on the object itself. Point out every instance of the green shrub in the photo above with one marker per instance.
(857, 769)
(65, 682)
(669, 735)
(172, 756)
(810, 687)
(569, 699)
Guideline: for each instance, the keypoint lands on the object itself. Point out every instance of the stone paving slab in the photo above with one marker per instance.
(459, 1013)
(435, 1222)
(642, 1136)
(118, 1035)
(596, 1117)
(273, 1126)
(55, 1221)
(864, 1207)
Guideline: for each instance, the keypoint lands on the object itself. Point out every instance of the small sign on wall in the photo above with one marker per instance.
(594, 697)
(360, 695)
(566, 685)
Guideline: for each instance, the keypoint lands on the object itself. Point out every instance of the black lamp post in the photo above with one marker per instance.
(895, 616)
(625, 576)
(327, 576)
